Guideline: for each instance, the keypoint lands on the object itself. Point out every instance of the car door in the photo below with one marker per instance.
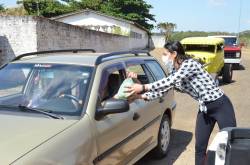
(115, 131)
(159, 73)
(146, 114)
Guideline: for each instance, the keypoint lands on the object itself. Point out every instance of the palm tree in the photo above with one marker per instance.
(167, 28)
(1, 7)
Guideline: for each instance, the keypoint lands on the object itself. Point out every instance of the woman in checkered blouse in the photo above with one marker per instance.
(188, 76)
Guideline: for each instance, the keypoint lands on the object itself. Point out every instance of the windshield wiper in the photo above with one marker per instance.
(42, 111)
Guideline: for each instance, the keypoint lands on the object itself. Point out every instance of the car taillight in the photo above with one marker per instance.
(221, 151)
(219, 146)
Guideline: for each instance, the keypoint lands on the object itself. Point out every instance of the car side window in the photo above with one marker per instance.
(111, 80)
(219, 47)
(143, 74)
(17, 84)
(156, 69)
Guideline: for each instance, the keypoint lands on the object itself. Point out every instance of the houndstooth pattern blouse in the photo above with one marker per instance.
(190, 78)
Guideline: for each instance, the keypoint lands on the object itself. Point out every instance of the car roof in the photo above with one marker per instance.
(223, 36)
(202, 40)
(62, 58)
(72, 58)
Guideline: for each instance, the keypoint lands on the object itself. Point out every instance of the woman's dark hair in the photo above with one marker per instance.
(172, 46)
(176, 46)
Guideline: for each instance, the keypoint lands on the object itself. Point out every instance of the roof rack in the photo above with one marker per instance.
(53, 51)
(112, 55)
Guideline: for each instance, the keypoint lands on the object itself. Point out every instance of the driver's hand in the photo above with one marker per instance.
(61, 95)
(131, 75)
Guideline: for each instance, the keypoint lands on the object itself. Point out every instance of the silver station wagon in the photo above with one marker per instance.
(57, 108)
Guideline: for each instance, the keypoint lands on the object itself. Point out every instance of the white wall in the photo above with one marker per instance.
(84, 19)
(138, 30)
(158, 41)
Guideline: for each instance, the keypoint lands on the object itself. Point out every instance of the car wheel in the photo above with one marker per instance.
(163, 138)
(227, 73)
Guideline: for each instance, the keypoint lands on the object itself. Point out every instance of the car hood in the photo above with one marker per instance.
(19, 134)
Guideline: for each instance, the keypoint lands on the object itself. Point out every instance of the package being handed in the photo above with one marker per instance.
(121, 94)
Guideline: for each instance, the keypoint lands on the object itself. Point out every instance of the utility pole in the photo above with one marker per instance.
(238, 36)
(37, 8)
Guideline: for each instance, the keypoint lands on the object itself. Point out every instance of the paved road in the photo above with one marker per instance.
(182, 139)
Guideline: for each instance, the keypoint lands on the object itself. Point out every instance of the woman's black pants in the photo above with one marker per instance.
(220, 111)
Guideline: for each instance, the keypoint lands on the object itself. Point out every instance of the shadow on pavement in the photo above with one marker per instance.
(221, 83)
(238, 67)
(179, 141)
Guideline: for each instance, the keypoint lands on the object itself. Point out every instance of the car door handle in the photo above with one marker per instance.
(161, 100)
(136, 116)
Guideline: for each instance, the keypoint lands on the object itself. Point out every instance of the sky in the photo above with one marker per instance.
(197, 15)
(203, 15)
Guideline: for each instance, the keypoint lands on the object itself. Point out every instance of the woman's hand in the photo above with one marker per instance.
(135, 88)
(133, 96)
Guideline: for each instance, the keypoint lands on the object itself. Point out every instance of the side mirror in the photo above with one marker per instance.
(112, 106)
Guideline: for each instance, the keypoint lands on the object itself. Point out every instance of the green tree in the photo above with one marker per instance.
(134, 10)
(16, 11)
(177, 36)
(167, 28)
(83, 4)
(46, 8)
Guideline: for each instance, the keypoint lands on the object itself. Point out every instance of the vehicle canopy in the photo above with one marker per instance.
(230, 40)
(202, 41)
(207, 50)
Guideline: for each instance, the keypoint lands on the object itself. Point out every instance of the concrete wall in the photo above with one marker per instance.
(57, 35)
(26, 34)
(157, 40)
(17, 36)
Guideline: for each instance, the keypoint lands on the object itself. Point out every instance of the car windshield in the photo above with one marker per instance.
(232, 41)
(53, 87)
(203, 48)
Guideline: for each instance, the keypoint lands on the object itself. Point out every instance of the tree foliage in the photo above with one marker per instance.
(179, 35)
(16, 11)
(133, 10)
(245, 38)
(167, 28)
(46, 8)
(83, 4)
(1, 7)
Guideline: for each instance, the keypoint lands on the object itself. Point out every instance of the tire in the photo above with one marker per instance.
(161, 149)
(227, 73)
